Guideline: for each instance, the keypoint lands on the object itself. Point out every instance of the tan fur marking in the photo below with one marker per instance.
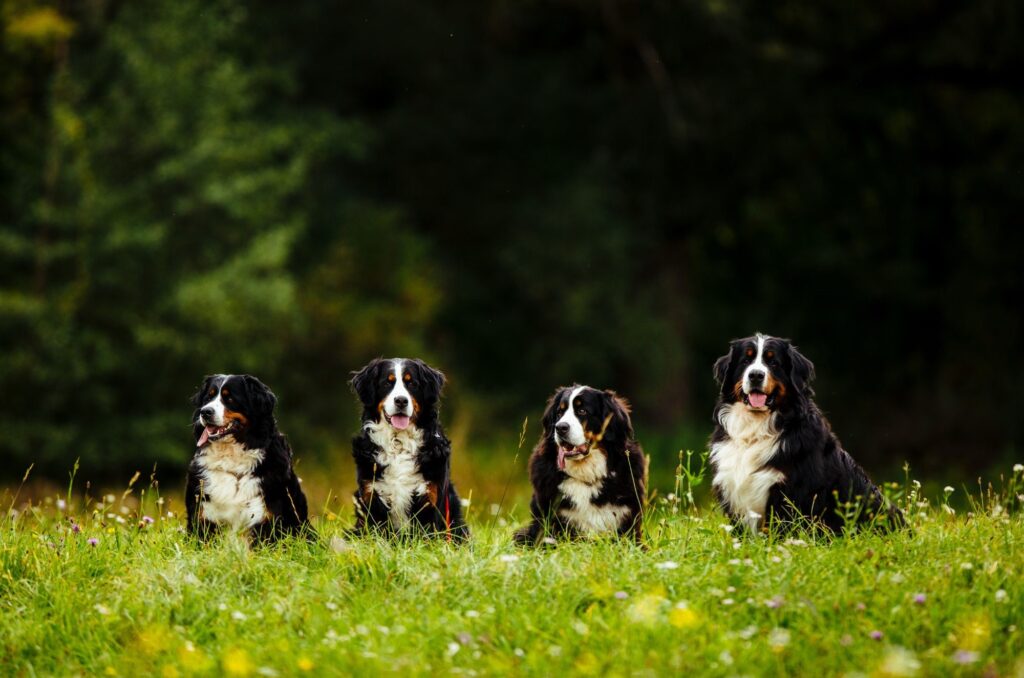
(231, 415)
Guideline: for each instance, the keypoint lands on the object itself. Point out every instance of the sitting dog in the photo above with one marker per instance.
(401, 453)
(773, 454)
(589, 475)
(241, 476)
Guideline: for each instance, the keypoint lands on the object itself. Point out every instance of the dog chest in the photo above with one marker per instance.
(582, 486)
(400, 480)
(232, 495)
(742, 475)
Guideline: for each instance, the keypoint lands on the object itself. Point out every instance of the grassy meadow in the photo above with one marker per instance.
(112, 585)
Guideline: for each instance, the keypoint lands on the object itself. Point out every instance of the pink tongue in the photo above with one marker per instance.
(561, 458)
(757, 399)
(204, 437)
(400, 421)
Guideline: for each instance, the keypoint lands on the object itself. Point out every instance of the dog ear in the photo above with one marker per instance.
(721, 368)
(433, 380)
(363, 380)
(262, 398)
(197, 397)
(801, 370)
(620, 426)
(551, 411)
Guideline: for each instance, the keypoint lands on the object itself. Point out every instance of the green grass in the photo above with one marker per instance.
(146, 600)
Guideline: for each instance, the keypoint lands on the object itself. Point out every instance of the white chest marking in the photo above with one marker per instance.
(400, 481)
(739, 462)
(232, 495)
(586, 477)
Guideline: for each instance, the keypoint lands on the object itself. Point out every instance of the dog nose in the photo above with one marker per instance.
(756, 377)
(562, 428)
(206, 412)
(401, 402)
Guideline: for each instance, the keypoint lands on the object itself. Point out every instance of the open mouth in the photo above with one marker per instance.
(215, 433)
(399, 422)
(759, 400)
(569, 451)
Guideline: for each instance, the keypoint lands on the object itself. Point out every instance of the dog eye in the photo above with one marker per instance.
(582, 412)
(212, 392)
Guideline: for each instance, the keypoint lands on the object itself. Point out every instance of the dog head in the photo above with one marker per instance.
(400, 391)
(762, 372)
(580, 419)
(237, 405)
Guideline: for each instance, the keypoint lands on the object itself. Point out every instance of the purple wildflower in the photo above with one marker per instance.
(876, 635)
(147, 520)
(621, 595)
(965, 657)
(919, 598)
(76, 528)
(93, 541)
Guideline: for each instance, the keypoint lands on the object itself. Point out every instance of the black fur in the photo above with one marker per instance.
(623, 485)
(437, 512)
(245, 395)
(823, 483)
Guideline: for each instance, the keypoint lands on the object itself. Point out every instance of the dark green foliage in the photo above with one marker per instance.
(526, 194)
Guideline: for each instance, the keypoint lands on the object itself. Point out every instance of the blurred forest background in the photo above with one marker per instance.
(523, 193)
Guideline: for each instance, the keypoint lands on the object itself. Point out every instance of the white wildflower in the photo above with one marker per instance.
(900, 661)
(778, 638)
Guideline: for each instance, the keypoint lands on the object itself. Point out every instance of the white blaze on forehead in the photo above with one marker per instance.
(758, 364)
(217, 404)
(575, 436)
(397, 391)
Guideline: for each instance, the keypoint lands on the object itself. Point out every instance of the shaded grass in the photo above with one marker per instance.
(945, 600)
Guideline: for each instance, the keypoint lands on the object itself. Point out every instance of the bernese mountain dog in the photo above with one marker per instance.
(775, 460)
(589, 474)
(402, 457)
(241, 476)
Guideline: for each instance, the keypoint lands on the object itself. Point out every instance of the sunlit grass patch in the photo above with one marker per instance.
(84, 592)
